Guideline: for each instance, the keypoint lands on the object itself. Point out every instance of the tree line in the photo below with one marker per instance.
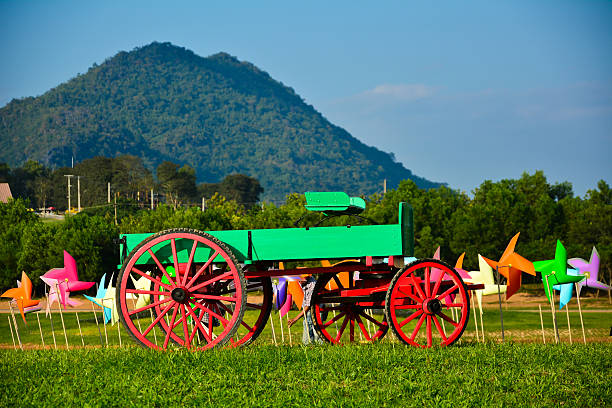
(482, 224)
(129, 180)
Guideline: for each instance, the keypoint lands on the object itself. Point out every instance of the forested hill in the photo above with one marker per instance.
(217, 114)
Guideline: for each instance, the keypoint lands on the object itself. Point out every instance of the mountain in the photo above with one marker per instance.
(217, 114)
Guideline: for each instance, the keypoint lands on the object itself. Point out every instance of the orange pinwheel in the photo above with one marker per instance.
(22, 295)
(511, 265)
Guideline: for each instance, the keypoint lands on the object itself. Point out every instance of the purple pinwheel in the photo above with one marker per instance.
(66, 280)
(590, 270)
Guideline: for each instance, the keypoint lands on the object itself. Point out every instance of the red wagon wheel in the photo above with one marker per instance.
(426, 312)
(339, 319)
(205, 296)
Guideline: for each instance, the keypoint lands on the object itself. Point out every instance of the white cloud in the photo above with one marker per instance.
(406, 92)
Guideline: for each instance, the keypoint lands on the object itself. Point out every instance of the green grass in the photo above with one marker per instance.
(383, 374)
(519, 326)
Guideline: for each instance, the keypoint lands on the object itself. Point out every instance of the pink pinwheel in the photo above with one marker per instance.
(66, 280)
(590, 270)
(436, 273)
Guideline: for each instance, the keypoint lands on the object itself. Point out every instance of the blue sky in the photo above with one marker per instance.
(460, 92)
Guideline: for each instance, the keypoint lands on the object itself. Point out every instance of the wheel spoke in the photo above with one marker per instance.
(158, 303)
(371, 319)
(352, 329)
(222, 319)
(170, 326)
(174, 258)
(428, 329)
(410, 318)
(434, 292)
(159, 317)
(363, 329)
(448, 292)
(417, 286)
(427, 283)
(440, 330)
(146, 292)
(408, 307)
(409, 296)
(418, 327)
(185, 329)
(151, 278)
(159, 265)
(190, 261)
(210, 281)
(254, 306)
(335, 319)
(448, 319)
(202, 269)
(341, 331)
(214, 297)
(198, 324)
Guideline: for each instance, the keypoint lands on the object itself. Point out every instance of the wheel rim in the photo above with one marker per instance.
(195, 304)
(426, 311)
(342, 320)
(250, 328)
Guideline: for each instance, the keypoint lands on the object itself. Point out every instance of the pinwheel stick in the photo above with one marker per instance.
(289, 329)
(154, 333)
(475, 320)
(80, 331)
(16, 328)
(501, 313)
(551, 303)
(97, 323)
(569, 329)
(12, 335)
(542, 324)
(580, 312)
(51, 321)
(62, 316)
(42, 339)
(481, 327)
(105, 332)
(273, 333)
(280, 319)
(119, 333)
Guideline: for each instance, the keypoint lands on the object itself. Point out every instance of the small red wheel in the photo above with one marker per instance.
(340, 319)
(424, 312)
(260, 305)
(205, 296)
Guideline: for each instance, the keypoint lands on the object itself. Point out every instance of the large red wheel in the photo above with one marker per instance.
(340, 319)
(424, 312)
(197, 291)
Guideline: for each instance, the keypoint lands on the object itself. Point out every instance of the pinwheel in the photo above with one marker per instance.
(100, 295)
(23, 296)
(566, 290)
(143, 283)
(485, 276)
(66, 279)
(554, 271)
(590, 270)
(512, 265)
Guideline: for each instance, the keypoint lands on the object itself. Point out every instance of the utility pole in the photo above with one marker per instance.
(151, 199)
(203, 204)
(108, 193)
(69, 175)
(79, 192)
(385, 186)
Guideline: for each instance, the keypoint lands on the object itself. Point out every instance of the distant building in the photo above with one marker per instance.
(5, 193)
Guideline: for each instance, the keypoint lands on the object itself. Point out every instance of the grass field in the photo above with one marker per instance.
(522, 371)
(383, 374)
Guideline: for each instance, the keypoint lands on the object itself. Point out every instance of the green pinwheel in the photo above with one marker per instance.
(554, 271)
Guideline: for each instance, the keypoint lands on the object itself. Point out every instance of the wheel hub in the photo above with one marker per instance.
(179, 295)
(432, 306)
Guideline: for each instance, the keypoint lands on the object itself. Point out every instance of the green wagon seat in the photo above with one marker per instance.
(334, 203)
